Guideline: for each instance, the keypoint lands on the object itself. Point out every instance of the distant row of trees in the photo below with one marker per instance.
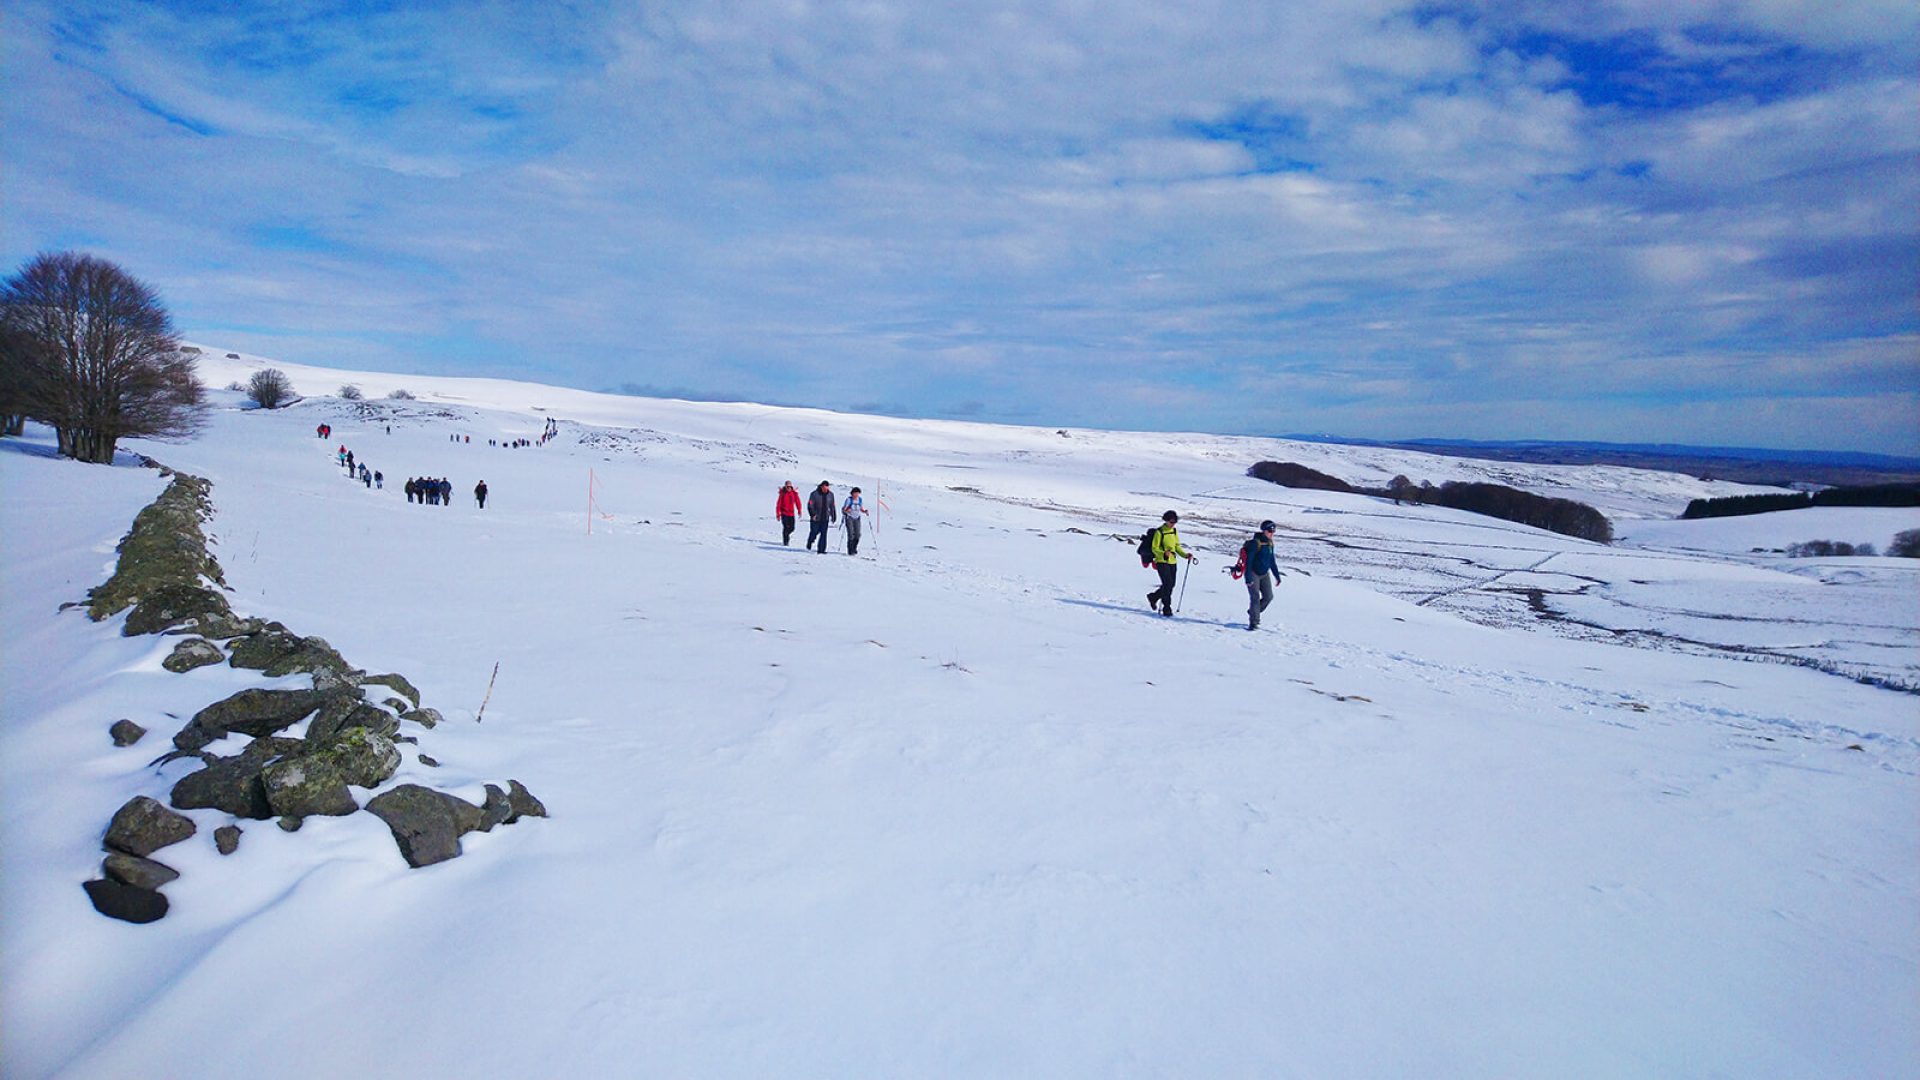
(1564, 516)
(1906, 545)
(1861, 495)
(90, 350)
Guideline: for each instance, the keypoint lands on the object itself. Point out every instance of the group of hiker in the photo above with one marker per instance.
(1257, 567)
(359, 472)
(1160, 548)
(430, 491)
(822, 513)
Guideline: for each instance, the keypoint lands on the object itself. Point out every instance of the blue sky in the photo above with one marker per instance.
(1636, 221)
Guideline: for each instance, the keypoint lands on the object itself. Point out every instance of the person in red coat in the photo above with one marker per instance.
(787, 509)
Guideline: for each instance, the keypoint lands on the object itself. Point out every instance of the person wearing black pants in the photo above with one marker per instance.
(1167, 553)
(821, 514)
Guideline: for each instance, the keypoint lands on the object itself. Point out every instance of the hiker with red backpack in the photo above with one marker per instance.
(1167, 551)
(1260, 570)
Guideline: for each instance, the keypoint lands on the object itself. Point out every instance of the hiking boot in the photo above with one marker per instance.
(1153, 600)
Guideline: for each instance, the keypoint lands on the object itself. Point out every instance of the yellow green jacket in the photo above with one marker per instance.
(1167, 546)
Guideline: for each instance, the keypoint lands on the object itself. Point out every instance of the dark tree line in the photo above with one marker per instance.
(1861, 495)
(1564, 516)
(90, 350)
(1288, 474)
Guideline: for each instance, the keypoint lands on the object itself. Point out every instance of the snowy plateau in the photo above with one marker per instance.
(1476, 800)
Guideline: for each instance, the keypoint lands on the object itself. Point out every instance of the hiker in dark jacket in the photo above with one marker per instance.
(1261, 572)
(480, 494)
(821, 514)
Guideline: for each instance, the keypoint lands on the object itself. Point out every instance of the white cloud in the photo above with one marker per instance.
(850, 202)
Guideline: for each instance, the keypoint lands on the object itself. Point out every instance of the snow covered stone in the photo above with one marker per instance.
(363, 757)
(304, 786)
(138, 872)
(344, 714)
(253, 711)
(232, 783)
(426, 824)
(397, 683)
(144, 826)
(173, 605)
(192, 653)
(277, 651)
(523, 802)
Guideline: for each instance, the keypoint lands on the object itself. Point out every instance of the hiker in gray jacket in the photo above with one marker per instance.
(851, 514)
(820, 515)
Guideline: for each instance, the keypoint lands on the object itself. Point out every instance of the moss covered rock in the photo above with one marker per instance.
(302, 786)
(192, 653)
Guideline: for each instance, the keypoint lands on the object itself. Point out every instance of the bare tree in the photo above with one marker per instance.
(94, 353)
(350, 392)
(270, 388)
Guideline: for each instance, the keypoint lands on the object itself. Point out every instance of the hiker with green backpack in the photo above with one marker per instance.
(1166, 549)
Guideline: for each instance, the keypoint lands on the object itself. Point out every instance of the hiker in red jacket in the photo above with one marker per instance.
(787, 509)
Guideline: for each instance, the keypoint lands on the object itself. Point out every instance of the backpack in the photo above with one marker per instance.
(1146, 550)
(1240, 567)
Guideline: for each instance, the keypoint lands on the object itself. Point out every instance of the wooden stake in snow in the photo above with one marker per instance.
(489, 697)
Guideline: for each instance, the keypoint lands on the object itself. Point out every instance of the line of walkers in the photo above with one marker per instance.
(822, 513)
(1257, 566)
(359, 472)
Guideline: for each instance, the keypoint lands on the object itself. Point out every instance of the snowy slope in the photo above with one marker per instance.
(961, 806)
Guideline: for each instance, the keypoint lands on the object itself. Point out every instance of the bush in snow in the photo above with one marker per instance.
(350, 392)
(1906, 544)
(270, 389)
(401, 395)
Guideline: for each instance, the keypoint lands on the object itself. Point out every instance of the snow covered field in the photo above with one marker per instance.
(1476, 801)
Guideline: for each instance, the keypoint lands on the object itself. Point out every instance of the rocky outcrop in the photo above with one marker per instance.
(164, 571)
(166, 575)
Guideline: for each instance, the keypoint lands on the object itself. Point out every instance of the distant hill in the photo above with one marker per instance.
(1746, 465)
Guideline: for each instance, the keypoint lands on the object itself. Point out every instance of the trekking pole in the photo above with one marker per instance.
(1184, 578)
